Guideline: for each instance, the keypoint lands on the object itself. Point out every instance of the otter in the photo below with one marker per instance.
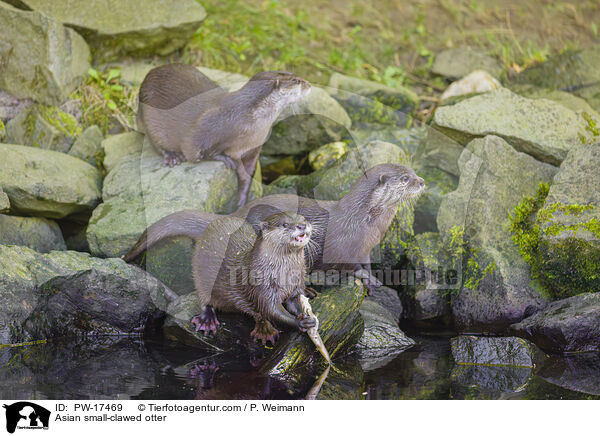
(237, 270)
(344, 231)
(188, 117)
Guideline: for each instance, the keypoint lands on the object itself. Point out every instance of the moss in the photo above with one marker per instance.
(2, 130)
(561, 263)
(62, 121)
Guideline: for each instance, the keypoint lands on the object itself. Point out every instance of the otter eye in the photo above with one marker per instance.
(285, 225)
(404, 179)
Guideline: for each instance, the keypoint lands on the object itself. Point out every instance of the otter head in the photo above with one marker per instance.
(393, 184)
(286, 229)
(279, 89)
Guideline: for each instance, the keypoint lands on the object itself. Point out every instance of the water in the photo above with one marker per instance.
(116, 368)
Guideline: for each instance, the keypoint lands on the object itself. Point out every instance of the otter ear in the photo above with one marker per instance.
(263, 225)
(383, 179)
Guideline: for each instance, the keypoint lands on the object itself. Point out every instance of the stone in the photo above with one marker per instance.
(10, 106)
(489, 382)
(41, 59)
(507, 351)
(458, 62)
(576, 372)
(569, 247)
(389, 299)
(566, 99)
(2, 131)
(4, 201)
(439, 151)
(497, 289)
(116, 147)
(541, 128)
(67, 294)
(43, 127)
(438, 183)
(88, 146)
(569, 325)
(477, 82)
(39, 234)
(47, 183)
(139, 190)
(407, 139)
(118, 28)
(326, 155)
(371, 103)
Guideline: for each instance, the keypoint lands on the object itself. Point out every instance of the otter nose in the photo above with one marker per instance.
(420, 181)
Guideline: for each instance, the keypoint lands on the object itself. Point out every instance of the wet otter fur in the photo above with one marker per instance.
(237, 270)
(188, 117)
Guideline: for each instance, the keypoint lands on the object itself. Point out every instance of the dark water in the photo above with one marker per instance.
(115, 368)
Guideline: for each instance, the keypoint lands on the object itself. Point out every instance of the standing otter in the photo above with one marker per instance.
(187, 116)
(237, 270)
(344, 232)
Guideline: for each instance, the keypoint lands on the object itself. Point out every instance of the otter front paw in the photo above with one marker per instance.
(265, 332)
(305, 322)
(206, 321)
(170, 158)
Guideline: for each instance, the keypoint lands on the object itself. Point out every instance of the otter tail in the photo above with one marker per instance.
(185, 223)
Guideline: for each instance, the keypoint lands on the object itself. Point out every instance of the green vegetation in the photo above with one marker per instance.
(563, 264)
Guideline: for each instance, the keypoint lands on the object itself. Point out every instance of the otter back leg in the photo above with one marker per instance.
(206, 321)
(264, 332)
(245, 172)
(172, 158)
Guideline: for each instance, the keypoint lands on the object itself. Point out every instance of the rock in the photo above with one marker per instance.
(438, 183)
(389, 299)
(496, 284)
(66, 294)
(74, 233)
(371, 103)
(139, 190)
(569, 325)
(481, 350)
(439, 151)
(116, 147)
(569, 247)
(347, 383)
(117, 28)
(43, 127)
(40, 58)
(11, 106)
(489, 382)
(2, 131)
(88, 147)
(327, 154)
(566, 99)
(381, 336)
(458, 62)
(577, 372)
(4, 201)
(47, 183)
(39, 234)
(477, 82)
(340, 327)
(541, 128)
(426, 294)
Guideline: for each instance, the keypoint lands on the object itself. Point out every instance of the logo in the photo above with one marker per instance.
(26, 415)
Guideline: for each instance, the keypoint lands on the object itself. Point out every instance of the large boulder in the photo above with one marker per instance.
(477, 82)
(569, 325)
(438, 183)
(458, 62)
(497, 289)
(66, 294)
(489, 382)
(39, 234)
(43, 127)
(4, 201)
(88, 146)
(541, 128)
(47, 183)
(578, 372)
(139, 190)
(115, 28)
(373, 104)
(41, 59)
(481, 350)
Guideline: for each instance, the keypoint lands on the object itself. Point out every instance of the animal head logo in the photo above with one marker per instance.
(26, 415)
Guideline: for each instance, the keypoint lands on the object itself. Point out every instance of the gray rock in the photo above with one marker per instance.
(39, 234)
(388, 298)
(47, 183)
(566, 99)
(438, 183)
(11, 106)
(541, 128)
(407, 139)
(88, 146)
(66, 294)
(43, 127)
(439, 151)
(477, 82)
(140, 190)
(116, 28)
(42, 59)
(569, 325)
(371, 103)
(497, 288)
(381, 336)
(578, 372)
(4, 201)
(116, 147)
(458, 62)
(489, 382)
(569, 247)
(481, 350)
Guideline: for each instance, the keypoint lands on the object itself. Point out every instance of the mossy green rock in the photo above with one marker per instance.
(39, 234)
(327, 154)
(116, 28)
(140, 190)
(541, 128)
(2, 131)
(118, 146)
(340, 326)
(47, 183)
(41, 59)
(66, 294)
(407, 139)
(569, 325)
(88, 146)
(43, 127)
(569, 247)
(458, 62)
(371, 103)
(493, 178)
(508, 351)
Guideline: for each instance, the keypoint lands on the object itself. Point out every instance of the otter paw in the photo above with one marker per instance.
(206, 322)
(371, 284)
(205, 374)
(170, 158)
(265, 332)
(305, 322)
